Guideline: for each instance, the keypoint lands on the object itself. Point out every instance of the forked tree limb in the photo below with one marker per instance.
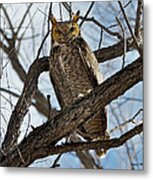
(25, 100)
(70, 118)
(81, 146)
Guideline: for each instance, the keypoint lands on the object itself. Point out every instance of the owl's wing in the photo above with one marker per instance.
(90, 62)
(97, 127)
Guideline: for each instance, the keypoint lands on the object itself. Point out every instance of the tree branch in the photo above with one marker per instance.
(130, 29)
(113, 51)
(106, 144)
(25, 100)
(14, 159)
(71, 117)
(93, 20)
(138, 18)
(24, 17)
(87, 13)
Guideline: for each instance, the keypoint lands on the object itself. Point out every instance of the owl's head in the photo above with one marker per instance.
(65, 32)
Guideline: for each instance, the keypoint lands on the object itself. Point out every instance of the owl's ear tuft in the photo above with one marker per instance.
(76, 17)
(53, 20)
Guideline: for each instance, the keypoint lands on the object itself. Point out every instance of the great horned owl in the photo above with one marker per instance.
(74, 72)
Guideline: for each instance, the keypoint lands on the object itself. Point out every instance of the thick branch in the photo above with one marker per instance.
(25, 100)
(113, 51)
(82, 146)
(15, 160)
(70, 118)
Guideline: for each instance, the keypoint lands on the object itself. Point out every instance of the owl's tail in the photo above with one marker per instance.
(101, 152)
(96, 129)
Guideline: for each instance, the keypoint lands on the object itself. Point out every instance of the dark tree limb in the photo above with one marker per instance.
(138, 21)
(113, 51)
(15, 159)
(23, 103)
(107, 144)
(71, 117)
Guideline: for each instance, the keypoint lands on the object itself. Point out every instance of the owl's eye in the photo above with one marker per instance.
(72, 29)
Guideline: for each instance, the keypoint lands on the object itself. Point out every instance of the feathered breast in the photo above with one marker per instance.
(74, 71)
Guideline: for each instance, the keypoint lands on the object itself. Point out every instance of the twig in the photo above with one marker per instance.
(131, 120)
(125, 41)
(138, 18)
(60, 11)
(92, 19)
(21, 157)
(70, 14)
(1, 73)
(8, 18)
(42, 12)
(22, 35)
(23, 19)
(50, 14)
(130, 29)
(47, 34)
(50, 9)
(54, 165)
(8, 86)
(56, 161)
(87, 13)
(4, 35)
(125, 6)
(121, 131)
(67, 7)
(49, 104)
(101, 39)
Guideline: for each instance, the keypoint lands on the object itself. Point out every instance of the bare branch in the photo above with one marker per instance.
(93, 20)
(101, 39)
(113, 51)
(23, 19)
(8, 18)
(87, 13)
(124, 39)
(138, 18)
(131, 120)
(130, 29)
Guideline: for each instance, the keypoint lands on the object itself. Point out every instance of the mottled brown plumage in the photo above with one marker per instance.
(75, 72)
